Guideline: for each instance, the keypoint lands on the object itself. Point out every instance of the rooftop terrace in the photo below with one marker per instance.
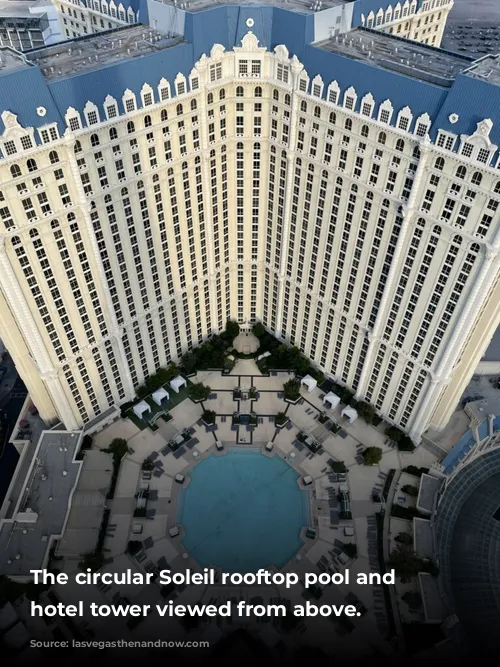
(487, 68)
(42, 506)
(90, 53)
(302, 6)
(403, 56)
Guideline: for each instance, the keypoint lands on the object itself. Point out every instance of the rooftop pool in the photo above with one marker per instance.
(243, 511)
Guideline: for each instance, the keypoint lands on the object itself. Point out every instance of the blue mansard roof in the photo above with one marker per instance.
(23, 89)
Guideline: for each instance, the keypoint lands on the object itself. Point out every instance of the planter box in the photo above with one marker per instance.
(294, 402)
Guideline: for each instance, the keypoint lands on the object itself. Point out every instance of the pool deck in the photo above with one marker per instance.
(160, 549)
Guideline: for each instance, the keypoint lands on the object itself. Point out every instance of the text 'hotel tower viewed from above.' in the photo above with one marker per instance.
(283, 163)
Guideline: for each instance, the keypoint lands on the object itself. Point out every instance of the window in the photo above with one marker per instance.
(476, 178)
(483, 155)
(26, 143)
(467, 149)
(31, 164)
(15, 171)
(384, 116)
(111, 111)
(181, 87)
(92, 118)
(439, 164)
(239, 91)
(164, 93)
(461, 172)
(130, 104)
(74, 123)
(53, 157)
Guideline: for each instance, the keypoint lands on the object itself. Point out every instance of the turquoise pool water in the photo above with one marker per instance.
(243, 511)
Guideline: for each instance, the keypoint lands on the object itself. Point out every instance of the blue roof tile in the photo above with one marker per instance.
(472, 99)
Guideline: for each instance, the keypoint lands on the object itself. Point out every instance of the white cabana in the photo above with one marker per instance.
(350, 413)
(177, 383)
(263, 355)
(159, 395)
(331, 400)
(141, 408)
(309, 382)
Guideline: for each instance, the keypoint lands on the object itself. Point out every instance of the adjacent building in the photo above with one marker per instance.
(27, 24)
(343, 191)
(420, 20)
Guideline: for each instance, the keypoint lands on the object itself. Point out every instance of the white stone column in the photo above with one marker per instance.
(402, 243)
(472, 305)
(115, 330)
(202, 68)
(34, 341)
(296, 69)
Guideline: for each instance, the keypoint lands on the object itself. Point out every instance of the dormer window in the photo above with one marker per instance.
(48, 134)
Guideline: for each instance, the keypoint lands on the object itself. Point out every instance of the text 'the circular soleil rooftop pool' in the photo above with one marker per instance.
(243, 511)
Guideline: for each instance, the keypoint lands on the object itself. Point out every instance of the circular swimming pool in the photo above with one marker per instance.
(243, 511)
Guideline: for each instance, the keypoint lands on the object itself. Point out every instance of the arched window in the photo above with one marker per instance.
(54, 224)
(71, 217)
(15, 240)
(194, 105)
(461, 172)
(130, 127)
(348, 124)
(94, 140)
(34, 234)
(113, 134)
(332, 118)
(210, 98)
(365, 131)
(239, 91)
(258, 92)
(163, 115)
(303, 106)
(15, 170)
(147, 121)
(140, 185)
(179, 109)
(287, 100)
(31, 164)
(476, 178)
(317, 112)
(439, 164)
(416, 152)
(124, 192)
(222, 94)
(78, 147)
(400, 145)
(276, 95)
(497, 187)
(382, 137)
(53, 157)
(107, 199)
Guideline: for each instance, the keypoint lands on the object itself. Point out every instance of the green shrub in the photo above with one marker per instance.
(280, 419)
(350, 550)
(258, 329)
(198, 392)
(292, 389)
(338, 466)
(372, 456)
(232, 329)
(208, 417)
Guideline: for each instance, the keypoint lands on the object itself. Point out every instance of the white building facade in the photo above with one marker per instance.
(421, 21)
(254, 190)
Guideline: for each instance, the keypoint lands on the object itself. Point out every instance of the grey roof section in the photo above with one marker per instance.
(434, 608)
(423, 541)
(404, 56)
(42, 507)
(302, 6)
(493, 350)
(102, 418)
(427, 493)
(469, 549)
(87, 505)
